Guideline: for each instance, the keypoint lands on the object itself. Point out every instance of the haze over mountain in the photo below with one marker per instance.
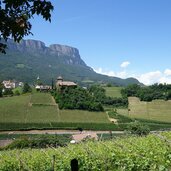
(30, 58)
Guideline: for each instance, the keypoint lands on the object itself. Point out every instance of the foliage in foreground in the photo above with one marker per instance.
(127, 154)
(16, 15)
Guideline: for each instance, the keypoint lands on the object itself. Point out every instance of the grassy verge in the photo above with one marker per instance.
(31, 136)
(59, 125)
(119, 118)
(76, 126)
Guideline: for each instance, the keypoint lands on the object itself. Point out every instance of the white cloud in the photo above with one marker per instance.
(165, 80)
(167, 72)
(148, 78)
(110, 73)
(122, 74)
(124, 64)
(104, 72)
(155, 77)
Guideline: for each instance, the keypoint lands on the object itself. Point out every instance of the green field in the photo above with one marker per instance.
(41, 108)
(39, 111)
(42, 98)
(157, 110)
(78, 116)
(113, 91)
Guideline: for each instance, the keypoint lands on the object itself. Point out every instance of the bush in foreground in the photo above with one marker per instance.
(138, 128)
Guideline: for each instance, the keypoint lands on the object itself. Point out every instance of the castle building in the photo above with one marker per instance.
(61, 83)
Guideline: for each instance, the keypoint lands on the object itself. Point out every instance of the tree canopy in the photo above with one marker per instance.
(76, 98)
(148, 93)
(15, 18)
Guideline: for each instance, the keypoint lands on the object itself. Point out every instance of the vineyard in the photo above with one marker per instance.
(152, 152)
(157, 110)
(39, 111)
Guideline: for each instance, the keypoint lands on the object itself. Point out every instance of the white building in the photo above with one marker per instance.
(10, 84)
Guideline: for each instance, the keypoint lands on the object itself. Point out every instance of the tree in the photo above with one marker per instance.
(26, 88)
(97, 92)
(8, 92)
(16, 93)
(15, 16)
(1, 88)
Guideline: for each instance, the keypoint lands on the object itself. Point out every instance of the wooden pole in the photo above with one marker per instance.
(53, 163)
(74, 165)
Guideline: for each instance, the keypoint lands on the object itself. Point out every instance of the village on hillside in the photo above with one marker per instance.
(39, 86)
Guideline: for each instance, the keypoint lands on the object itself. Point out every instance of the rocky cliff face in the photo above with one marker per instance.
(26, 44)
(70, 54)
(65, 50)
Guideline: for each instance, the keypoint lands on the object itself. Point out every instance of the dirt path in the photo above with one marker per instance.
(114, 121)
(4, 143)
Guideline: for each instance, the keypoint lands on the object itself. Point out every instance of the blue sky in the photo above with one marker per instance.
(121, 38)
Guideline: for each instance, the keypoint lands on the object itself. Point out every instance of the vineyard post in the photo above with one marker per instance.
(21, 166)
(53, 163)
(74, 165)
(111, 136)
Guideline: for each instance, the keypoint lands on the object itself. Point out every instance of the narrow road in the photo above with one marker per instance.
(58, 132)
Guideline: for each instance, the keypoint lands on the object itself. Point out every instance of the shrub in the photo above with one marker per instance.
(26, 88)
(138, 128)
(16, 93)
(42, 141)
(8, 92)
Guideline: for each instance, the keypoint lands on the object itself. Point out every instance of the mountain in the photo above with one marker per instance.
(26, 60)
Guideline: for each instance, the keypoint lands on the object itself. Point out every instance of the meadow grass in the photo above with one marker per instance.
(14, 109)
(22, 109)
(157, 110)
(113, 91)
(41, 98)
(83, 116)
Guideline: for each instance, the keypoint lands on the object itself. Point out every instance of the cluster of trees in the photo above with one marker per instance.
(148, 93)
(99, 94)
(76, 98)
(5, 92)
(91, 99)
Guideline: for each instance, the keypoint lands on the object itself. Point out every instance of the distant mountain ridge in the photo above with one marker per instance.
(26, 60)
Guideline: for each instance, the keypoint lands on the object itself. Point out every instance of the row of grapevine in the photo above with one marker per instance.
(130, 154)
